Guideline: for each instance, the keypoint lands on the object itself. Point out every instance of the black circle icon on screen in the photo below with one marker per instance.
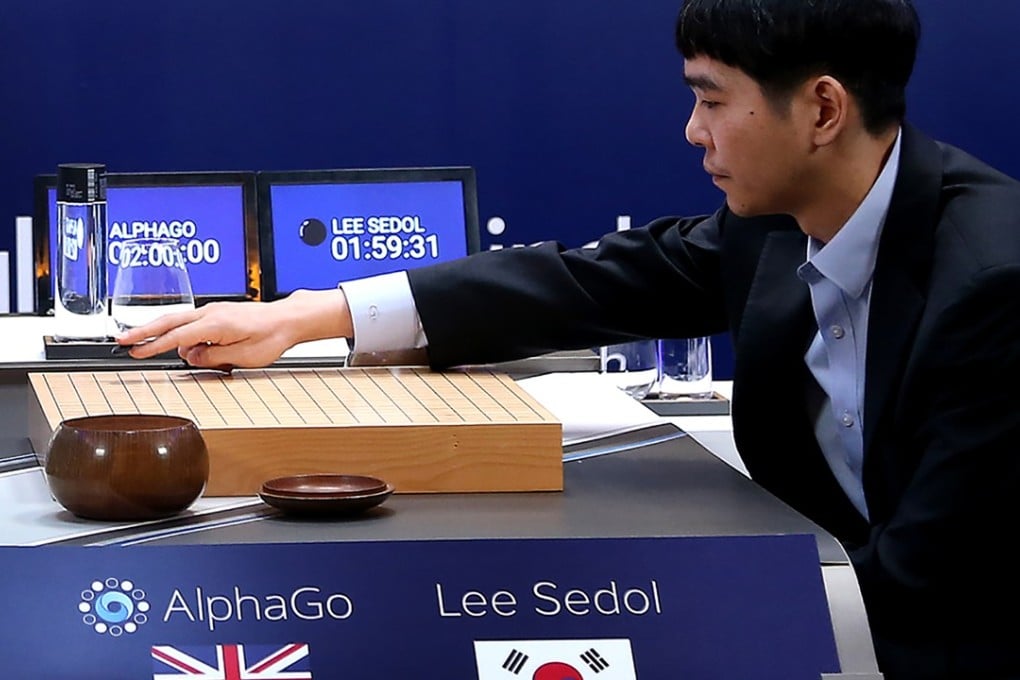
(312, 231)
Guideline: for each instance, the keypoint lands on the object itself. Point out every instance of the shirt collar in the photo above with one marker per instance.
(848, 260)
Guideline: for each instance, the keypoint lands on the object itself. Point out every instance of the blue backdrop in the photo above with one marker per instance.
(571, 111)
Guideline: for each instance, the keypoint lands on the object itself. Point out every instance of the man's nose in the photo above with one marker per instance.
(695, 130)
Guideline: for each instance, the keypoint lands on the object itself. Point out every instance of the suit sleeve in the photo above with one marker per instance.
(960, 468)
(661, 280)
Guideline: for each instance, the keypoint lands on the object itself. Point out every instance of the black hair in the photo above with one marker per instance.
(868, 45)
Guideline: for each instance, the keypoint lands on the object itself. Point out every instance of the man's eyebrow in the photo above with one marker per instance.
(702, 82)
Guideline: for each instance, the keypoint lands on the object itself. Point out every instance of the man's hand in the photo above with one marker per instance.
(244, 334)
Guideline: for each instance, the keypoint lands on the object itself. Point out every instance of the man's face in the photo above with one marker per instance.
(757, 155)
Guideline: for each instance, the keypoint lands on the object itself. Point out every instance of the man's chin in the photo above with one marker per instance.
(741, 209)
(745, 210)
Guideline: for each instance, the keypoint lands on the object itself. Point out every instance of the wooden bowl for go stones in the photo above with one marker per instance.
(126, 467)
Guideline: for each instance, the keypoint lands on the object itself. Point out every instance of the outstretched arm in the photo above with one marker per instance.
(244, 334)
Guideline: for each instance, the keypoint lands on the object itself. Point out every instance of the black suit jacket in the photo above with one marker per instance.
(942, 411)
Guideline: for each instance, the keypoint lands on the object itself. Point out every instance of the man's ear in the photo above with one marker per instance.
(830, 102)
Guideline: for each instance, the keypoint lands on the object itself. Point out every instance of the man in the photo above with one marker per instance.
(870, 278)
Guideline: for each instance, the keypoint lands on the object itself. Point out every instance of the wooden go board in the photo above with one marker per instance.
(422, 431)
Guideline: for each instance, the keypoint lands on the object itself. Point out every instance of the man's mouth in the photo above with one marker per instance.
(715, 174)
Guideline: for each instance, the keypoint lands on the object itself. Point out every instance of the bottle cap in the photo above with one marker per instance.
(81, 182)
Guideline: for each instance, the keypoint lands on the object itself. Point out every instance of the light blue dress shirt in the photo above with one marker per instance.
(839, 275)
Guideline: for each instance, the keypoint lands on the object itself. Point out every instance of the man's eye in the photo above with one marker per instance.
(709, 104)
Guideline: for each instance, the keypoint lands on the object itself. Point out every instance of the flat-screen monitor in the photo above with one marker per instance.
(318, 228)
(213, 215)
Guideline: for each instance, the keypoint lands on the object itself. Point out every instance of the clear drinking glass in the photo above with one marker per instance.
(685, 368)
(151, 280)
(631, 366)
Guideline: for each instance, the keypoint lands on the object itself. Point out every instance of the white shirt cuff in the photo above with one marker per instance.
(385, 318)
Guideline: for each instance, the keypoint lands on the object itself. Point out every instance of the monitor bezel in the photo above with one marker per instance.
(266, 180)
(249, 199)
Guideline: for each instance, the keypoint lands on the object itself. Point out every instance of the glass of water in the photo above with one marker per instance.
(631, 366)
(685, 368)
(151, 280)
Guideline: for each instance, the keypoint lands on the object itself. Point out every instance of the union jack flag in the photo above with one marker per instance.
(230, 662)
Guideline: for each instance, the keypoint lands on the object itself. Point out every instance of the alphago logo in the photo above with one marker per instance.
(114, 607)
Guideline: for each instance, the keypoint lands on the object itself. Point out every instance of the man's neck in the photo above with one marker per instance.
(845, 175)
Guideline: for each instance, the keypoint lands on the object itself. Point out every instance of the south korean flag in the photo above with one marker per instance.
(555, 659)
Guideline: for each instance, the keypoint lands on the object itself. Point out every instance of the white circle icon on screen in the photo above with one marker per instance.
(495, 226)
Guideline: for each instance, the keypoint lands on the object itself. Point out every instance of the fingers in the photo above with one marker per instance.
(158, 327)
(188, 335)
(218, 335)
(176, 331)
(205, 356)
(227, 357)
(157, 336)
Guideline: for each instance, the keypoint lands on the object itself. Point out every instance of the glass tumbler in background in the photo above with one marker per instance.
(685, 368)
(631, 366)
(151, 280)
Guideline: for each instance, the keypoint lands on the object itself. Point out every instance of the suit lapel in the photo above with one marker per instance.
(775, 331)
(779, 304)
(901, 274)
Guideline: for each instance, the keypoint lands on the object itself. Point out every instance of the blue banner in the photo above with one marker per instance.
(543, 609)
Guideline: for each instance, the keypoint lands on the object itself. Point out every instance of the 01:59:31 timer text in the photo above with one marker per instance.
(381, 247)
